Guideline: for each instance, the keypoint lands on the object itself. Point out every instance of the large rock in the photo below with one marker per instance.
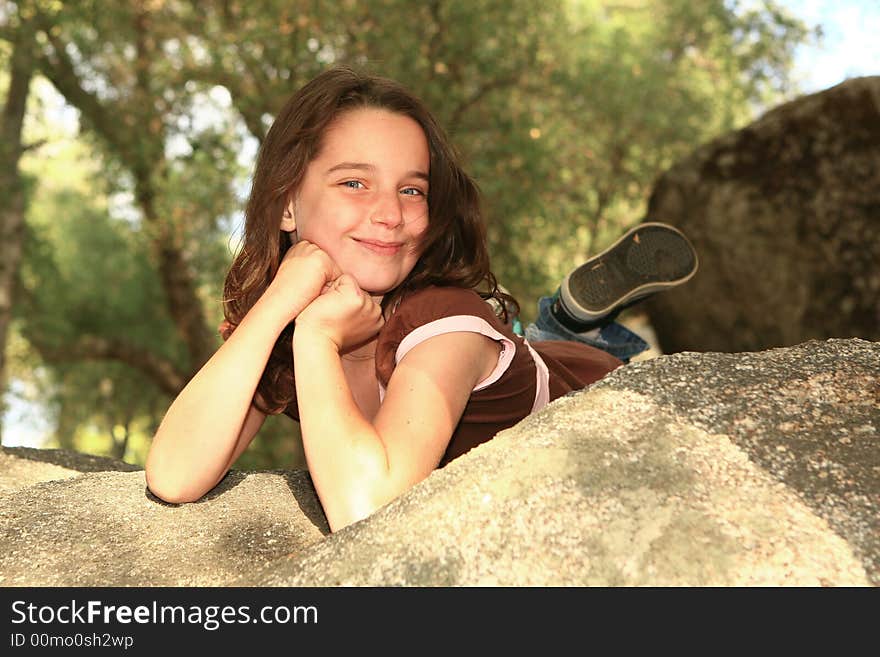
(689, 469)
(22, 466)
(785, 216)
(106, 529)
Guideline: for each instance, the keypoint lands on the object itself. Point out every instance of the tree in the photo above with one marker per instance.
(12, 183)
(129, 154)
(564, 112)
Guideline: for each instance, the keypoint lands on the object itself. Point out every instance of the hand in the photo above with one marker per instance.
(343, 313)
(304, 274)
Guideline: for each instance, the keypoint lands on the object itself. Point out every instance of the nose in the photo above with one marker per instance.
(388, 211)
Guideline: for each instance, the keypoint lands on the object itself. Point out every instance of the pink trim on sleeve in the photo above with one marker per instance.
(462, 323)
(542, 380)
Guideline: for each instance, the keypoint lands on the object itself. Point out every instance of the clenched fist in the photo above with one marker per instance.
(343, 313)
(304, 274)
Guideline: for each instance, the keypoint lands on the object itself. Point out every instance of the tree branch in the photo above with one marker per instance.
(159, 370)
(33, 145)
(58, 68)
(478, 95)
(243, 101)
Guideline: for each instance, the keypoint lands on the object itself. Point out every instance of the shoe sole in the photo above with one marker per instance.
(649, 258)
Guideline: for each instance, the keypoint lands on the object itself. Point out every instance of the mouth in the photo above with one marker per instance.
(380, 247)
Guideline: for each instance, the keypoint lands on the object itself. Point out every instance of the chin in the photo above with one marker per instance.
(376, 291)
(373, 286)
(371, 290)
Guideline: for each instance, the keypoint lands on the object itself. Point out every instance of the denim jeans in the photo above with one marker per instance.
(614, 338)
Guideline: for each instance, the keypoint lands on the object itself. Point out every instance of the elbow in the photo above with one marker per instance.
(356, 504)
(346, 515)
(168, 492)
(167, 487)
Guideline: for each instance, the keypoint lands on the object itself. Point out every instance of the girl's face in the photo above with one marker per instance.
(364, 198)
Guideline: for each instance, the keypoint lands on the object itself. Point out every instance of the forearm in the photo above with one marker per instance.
(196, 440)
(345, 454)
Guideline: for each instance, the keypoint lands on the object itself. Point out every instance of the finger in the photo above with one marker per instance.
(335, 271)
(346, 282)
(330, 266)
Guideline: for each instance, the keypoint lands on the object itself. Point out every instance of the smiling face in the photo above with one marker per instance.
(364, 198)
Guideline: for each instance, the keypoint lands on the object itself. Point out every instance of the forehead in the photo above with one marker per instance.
(374, 132)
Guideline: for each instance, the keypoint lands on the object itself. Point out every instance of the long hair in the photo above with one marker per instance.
(454, 246)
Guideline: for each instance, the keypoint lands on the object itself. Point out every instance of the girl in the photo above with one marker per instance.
(363, 233)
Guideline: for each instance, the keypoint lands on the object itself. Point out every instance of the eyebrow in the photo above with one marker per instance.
(363, 166)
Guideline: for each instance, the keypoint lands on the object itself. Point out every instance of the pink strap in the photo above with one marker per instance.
(462, 323)
(473, 324)
(542, 385)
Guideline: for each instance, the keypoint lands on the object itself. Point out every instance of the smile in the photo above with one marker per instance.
(380, 247)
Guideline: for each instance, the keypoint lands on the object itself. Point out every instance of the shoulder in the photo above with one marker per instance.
(433, 303)
(439, 302)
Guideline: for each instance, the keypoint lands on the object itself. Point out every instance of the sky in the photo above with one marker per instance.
(850, 48)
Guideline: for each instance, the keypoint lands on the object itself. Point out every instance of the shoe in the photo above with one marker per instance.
(649, 258)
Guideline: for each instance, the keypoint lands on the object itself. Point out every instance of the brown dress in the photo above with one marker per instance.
(512, 389)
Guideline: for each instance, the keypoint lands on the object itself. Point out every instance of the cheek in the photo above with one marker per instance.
(417, 215)
(418, 224)
(318, 228)
(417, 231)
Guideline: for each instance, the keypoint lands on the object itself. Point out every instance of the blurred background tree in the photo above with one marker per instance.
(564, 112)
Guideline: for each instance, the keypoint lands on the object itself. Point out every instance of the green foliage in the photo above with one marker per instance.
(564, 112)
(86, 273)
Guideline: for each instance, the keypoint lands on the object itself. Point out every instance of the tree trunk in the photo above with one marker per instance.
(12, 192)
(140, 150)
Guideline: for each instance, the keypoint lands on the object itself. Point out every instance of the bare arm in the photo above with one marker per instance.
(358, 465)
(212, 420)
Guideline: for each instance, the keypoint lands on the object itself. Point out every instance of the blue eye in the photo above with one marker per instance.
(412, 191)
(353, 184)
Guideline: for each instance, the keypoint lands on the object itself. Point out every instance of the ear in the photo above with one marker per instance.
(288, 219)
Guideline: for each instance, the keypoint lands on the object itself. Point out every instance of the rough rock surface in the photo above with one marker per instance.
(106, 529)
(690, 469)
(21, 466)
(784, 216)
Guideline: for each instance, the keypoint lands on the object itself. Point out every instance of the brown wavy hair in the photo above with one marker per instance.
(454, 247)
